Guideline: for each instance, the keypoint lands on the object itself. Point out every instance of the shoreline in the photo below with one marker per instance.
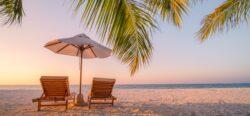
(140, 86)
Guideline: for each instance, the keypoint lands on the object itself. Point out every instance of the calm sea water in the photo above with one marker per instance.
(139, 86)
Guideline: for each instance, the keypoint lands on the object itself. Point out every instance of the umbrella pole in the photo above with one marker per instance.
(80, 100)
(80, 90)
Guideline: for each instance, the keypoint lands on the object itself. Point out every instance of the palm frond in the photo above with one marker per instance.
(123, 24)
(172, 10)
(227, 16)
(11, 11)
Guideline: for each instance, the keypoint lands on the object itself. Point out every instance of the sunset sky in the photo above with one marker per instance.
(178, 56)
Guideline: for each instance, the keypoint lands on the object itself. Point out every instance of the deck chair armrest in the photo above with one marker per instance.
(36, 100)
(113, 97)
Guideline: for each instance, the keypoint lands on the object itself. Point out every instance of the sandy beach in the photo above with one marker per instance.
(180, 102)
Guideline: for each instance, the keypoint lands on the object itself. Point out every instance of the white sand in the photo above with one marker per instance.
(180, 102)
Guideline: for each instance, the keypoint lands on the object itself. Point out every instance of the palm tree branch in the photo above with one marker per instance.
(11, 11)
(123, 24)
(227, 16)
(171, 10)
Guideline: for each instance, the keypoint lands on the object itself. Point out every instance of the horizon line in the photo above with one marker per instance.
(140, 84)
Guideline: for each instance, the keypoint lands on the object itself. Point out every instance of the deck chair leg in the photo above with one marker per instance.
(89, 103)
(74, 99)
(112, 102)
(39, 105)
(66, 104)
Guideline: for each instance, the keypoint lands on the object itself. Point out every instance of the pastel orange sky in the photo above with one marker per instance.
(178, 56)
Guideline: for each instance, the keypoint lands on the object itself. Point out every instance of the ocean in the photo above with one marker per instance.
(139, 86)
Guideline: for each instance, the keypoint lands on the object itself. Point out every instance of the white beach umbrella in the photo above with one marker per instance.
(81, 46)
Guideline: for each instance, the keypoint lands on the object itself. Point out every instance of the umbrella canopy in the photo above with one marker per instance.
(72, 46)
(81, 46)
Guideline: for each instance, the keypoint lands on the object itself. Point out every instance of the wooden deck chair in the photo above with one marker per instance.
(55, 88)
(101, 91)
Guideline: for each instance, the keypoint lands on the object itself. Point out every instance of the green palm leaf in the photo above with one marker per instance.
(11, 11)
(172, 10)
(125, 25)
(227, 16)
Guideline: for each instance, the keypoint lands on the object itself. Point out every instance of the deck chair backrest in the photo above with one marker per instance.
(55, 86)
(102, 87)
